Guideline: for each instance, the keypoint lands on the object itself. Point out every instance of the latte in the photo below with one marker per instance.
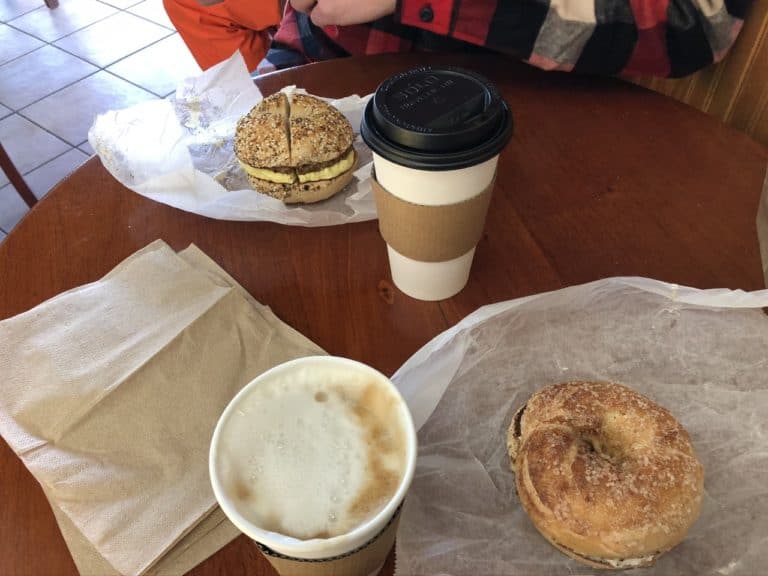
(314, 452)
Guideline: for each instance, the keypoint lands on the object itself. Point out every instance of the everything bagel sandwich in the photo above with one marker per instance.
(296, 148)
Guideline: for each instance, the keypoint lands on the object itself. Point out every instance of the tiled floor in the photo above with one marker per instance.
(60, 68)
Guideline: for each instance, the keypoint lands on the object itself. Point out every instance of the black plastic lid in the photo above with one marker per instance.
(436, 119)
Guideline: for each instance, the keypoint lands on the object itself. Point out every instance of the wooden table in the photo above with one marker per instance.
(600, 179)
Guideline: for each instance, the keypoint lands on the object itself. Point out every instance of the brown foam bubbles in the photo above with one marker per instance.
(314, 453)
(375, 409)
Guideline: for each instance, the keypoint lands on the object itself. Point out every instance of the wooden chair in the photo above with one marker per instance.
(16, 180)
(736, 89)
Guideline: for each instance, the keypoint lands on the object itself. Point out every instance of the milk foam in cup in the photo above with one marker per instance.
(312, 460)
(436, 134)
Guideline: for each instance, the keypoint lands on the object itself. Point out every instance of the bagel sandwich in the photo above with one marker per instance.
(607, 476)
(296, 148)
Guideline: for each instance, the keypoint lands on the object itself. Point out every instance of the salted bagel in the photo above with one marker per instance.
(606, 475)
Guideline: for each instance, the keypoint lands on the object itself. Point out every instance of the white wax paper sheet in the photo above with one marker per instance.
(701, 354)
(180, 151)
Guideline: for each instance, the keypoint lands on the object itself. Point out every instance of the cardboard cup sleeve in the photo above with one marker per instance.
(431, 233)
(364, 561)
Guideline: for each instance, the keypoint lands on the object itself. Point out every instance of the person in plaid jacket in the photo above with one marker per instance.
(668, 38)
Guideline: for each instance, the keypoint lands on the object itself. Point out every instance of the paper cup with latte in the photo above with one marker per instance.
(436, 135)
(312, 460)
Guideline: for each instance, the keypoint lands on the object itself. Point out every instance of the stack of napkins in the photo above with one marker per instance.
(110, 392)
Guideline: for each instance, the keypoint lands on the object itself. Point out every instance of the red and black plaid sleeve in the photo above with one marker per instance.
(630, 37)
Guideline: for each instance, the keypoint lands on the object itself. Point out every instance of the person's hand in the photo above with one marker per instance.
(344, 12)
(303, 5)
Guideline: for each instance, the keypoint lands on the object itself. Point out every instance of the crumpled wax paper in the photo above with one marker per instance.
(701, 354)
(180, 151)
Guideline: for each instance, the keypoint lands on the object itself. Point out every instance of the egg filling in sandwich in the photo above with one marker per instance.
(296, 148)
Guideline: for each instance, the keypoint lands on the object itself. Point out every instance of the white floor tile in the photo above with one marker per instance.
(28, 145)
(10, 9)
(160, 67)
(122, 4)
(71, 15)
(12, 208)
(14, 43)
(42, 179)
(22, 77)
(86, 148)
(113, 38)
(83, 101)
(153, 10)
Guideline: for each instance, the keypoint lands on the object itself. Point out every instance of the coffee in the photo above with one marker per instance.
(436, 134)
(313, 455)
(313, 458)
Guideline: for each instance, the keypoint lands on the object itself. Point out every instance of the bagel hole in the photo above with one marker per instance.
(597, 448)
(592, 446)
(518, 421)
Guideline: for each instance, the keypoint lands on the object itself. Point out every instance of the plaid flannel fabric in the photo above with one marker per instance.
(627, 37)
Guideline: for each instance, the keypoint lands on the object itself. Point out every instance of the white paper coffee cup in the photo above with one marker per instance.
(432, 280)
(281, 392)
(436, 135)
